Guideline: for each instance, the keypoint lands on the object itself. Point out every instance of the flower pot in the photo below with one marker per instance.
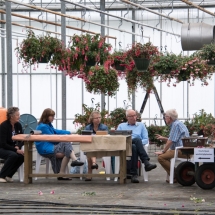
(182, 76)
(211, 62)
(45, 59)
(141, 63)
(118, 67)
(166, 71)
(90, 62)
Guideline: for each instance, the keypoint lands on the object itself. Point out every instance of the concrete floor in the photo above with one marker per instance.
(154, 195)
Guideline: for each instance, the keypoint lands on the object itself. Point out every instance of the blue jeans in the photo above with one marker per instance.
(137, 150)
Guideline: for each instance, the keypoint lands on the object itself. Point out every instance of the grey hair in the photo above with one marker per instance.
(126, 113)
(172, 113)
(11, 111)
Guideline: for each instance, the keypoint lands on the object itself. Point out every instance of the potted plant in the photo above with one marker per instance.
(36, 49)
(142, 54)
(117, 116)
(207, 52)
(102, 80)
(194, 68)
(199, 121)
(154, 129)
(167, 63)
(81, 120)
(90, 49)
(119, 60)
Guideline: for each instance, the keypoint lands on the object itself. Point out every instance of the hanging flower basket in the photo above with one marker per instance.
(141, 64)
(102, 80)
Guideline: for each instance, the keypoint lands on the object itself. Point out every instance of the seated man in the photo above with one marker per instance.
(177, 131)
(139, 138)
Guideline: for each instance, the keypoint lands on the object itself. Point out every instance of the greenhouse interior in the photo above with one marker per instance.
(112, 56)
(166, 24)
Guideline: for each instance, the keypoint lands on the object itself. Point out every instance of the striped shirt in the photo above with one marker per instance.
(177, 131)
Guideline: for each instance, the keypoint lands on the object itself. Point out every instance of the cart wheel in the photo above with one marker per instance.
(205, 176)
(185, 173)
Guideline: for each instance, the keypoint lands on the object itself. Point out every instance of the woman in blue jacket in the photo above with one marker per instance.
(95, 125)
(58, 152)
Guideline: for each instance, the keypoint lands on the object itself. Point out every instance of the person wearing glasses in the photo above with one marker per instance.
(10, 150)
(177, 131)
(94, 125)
(59, 153)
(139, 138)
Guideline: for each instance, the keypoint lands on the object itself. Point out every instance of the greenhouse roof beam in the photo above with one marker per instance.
(128, 20)
(151, 11)
(73, 17)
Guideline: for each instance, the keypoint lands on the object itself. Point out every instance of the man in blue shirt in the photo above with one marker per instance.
(177, 131)
(139, 138)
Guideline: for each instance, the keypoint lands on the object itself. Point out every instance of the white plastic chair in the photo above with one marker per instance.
(143, 172)
(172, 164)
(48, 164)
(21, 170)
(38, 163)
(21, 173)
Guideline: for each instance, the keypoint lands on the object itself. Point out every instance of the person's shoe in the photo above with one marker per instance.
(88, 179)
(2, 180)
(77, 163)
(94, 166)
(8, 179)
(150, 166)
(134, 179)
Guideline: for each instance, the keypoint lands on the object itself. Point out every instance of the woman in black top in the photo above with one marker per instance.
(10, 150)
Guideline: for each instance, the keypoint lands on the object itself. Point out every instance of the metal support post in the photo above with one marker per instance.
(9, 55)
(63, 38)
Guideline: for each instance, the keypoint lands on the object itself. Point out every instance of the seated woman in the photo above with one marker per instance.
(58, 152)
(95, 125)
(10, 150)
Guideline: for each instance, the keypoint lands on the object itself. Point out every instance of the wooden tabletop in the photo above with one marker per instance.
(54, 138)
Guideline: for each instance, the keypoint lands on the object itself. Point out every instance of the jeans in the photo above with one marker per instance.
(12, 162)
(137, 150)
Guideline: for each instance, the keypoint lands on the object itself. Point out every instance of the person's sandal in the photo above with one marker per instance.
(94, 166)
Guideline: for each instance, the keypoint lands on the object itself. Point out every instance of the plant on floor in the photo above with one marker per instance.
(154, 129)
(81, 120)
(34, 48)
(117, 116)
(199, 121)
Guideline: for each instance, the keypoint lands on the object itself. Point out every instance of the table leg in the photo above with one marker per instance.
(30, 152)
(122, 167)
(27, 162)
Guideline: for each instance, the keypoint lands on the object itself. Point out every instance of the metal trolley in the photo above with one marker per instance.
(187, 173)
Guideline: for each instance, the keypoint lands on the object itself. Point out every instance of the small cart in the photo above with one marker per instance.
(187, 173)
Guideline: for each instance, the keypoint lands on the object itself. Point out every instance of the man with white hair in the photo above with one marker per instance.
(139, 138)
(177, 131)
